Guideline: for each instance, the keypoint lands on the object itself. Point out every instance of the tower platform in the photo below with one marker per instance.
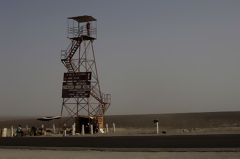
(83, 37)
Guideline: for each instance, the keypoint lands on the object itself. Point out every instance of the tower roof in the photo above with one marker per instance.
(84, 18)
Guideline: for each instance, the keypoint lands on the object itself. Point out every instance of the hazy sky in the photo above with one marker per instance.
(162, 56)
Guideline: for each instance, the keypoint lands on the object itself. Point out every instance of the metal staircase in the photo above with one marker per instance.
(105, 99)
(69, 53)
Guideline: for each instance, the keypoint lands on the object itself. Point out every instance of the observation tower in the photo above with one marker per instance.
(81, 91)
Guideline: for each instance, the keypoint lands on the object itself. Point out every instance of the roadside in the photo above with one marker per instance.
(57, 154)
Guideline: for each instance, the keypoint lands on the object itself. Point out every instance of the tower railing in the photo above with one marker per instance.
(64, 52)
(107, 98)
(78, 31)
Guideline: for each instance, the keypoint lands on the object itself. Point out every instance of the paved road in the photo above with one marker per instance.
(181, 141)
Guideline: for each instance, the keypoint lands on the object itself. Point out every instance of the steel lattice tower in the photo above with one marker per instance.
(81, 91)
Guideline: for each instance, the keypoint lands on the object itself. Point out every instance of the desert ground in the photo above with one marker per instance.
(172, 124)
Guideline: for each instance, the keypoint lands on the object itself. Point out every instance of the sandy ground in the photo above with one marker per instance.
(166, 121)
(56, 154)
(193, 131)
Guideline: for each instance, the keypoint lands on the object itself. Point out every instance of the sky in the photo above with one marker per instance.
(155, 56)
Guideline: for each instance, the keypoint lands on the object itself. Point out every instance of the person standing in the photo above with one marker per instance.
(64, 129)
(19, 131)
(88, 26)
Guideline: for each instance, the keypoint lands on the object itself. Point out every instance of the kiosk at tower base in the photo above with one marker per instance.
(82, 98)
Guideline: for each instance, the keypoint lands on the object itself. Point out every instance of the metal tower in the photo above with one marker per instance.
(81, 90)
